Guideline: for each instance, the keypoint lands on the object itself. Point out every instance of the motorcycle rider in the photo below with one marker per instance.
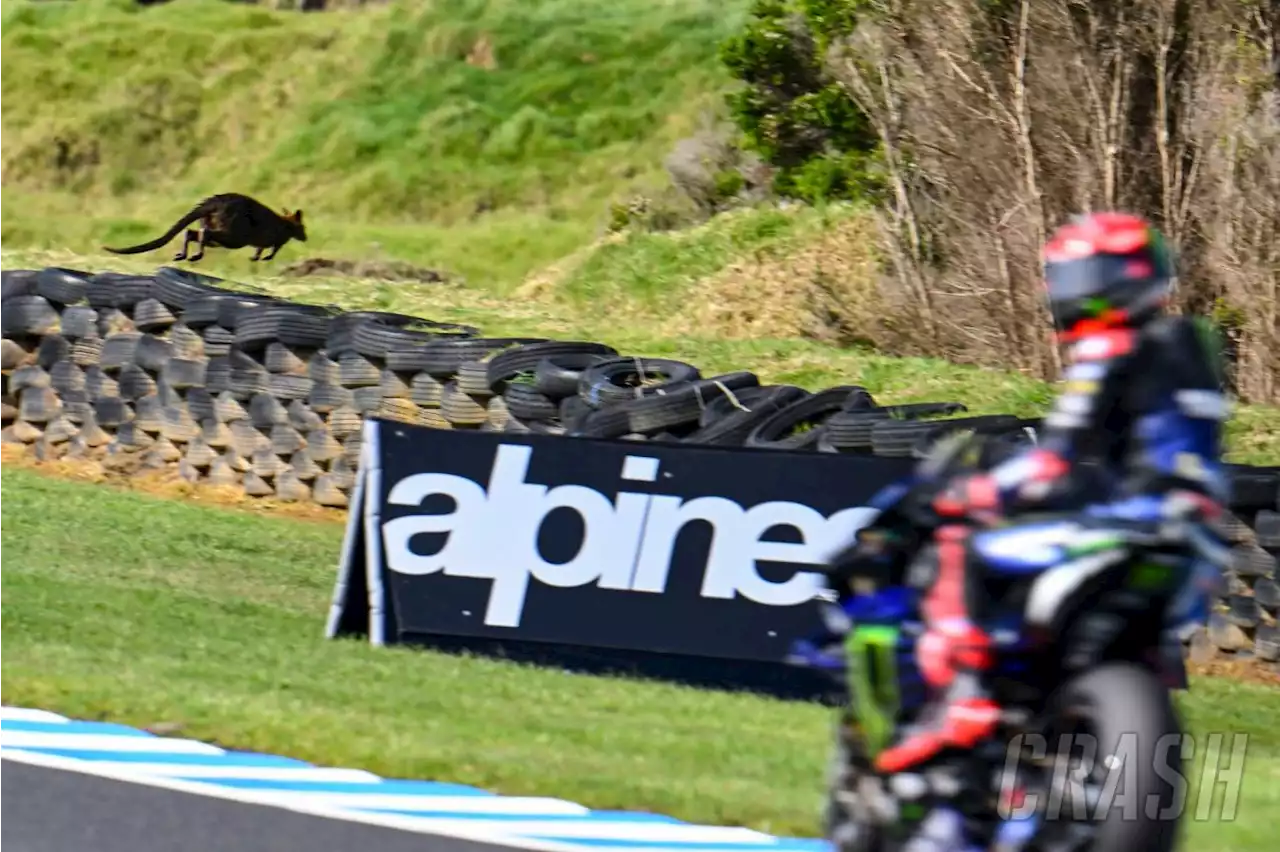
(1142, 397)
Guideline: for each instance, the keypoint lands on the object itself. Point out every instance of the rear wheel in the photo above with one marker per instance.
(854, 794)
(1116, 726)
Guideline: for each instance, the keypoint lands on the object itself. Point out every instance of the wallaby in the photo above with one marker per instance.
(230, 221)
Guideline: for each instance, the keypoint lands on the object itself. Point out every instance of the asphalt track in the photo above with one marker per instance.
(92, 786)
(55, 810)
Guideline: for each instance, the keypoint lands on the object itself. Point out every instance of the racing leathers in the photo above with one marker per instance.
(1146, 406)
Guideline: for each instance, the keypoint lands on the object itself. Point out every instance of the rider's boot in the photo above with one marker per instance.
(965, 717)
(954, 655)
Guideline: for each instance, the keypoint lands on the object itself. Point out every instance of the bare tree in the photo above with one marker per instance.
(999, 120)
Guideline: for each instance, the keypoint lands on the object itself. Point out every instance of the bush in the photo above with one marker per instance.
(791, 111)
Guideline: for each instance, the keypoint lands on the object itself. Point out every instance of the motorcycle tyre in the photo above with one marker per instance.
(1120, 700)
(844, 829)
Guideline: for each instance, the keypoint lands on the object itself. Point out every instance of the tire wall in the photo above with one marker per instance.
(185, 374)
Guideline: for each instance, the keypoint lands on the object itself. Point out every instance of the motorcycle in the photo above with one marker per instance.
(1083, 605)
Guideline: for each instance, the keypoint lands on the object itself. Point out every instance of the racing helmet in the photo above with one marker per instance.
(1106, 270)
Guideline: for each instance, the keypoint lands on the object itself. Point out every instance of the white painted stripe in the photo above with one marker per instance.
(514, 805)
(251, 773)
(104, 742)
(604, 829)
(462, 831)
(22, 714)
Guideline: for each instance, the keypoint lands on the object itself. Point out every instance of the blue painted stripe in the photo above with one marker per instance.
(590, 816)
(385, 787)
(632, 816)
(17, 725)
(782, 844)
(230, 759)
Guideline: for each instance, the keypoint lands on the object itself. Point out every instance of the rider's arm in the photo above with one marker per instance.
(1169, 381)
(1093, 384)
(1187, 408)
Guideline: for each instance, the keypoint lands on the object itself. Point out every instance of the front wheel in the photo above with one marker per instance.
(1116, 727)
(850, 823)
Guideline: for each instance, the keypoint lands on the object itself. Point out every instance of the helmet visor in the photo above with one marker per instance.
(1086, 278)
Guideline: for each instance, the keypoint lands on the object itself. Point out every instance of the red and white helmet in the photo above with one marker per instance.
(1109, 270)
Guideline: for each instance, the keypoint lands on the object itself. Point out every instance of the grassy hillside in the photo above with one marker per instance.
(483, 136)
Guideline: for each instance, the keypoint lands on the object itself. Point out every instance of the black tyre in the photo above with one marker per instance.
(727, 423)
(217, 340)
(217, 374)
(118, 290)
(443, 356)
(557, 376)
(18, 282)
(898, 439)
(152, 353)
(1127, 711)
(684, 406)
(574, 412)
(79, 322)
(1252, 488)
(28, 315)
(526, 404)
(611, 422)
(51, 350)
(118, 350)
(473, 379)
(379, 336)
(63, 286)
(200, 403)
(293, 325)
(623, 379)
(1011, 433)
(355, 371)
(799, 426)
(505, 366)
(152, 315)
(289, 387)
(342, 329)
(179, 287)
(460, 409)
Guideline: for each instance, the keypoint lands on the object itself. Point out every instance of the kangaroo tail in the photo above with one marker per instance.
(196, 213)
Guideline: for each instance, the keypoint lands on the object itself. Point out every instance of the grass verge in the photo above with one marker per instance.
(148, 611)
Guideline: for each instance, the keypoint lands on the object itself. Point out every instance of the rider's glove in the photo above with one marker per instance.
(975, 497)
(1192, 506)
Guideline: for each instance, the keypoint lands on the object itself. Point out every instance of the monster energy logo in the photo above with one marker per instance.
(873, 682)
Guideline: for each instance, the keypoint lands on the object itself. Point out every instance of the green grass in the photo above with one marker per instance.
(117, 118)
(652, 271)
(145, 611)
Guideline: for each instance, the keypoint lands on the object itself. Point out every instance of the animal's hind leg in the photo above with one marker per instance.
(257, 253)
(186, 242)
(200, 241)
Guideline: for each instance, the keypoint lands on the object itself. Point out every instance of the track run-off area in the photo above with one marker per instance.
(454, 815)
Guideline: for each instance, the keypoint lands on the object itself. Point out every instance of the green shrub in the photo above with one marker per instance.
(790, 110)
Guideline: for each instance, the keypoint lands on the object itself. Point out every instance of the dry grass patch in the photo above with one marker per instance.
(822, 290)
